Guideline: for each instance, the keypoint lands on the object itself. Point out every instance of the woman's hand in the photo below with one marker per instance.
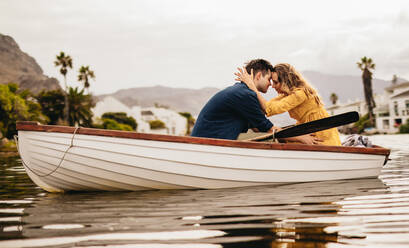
(246, 78)
(309, 139)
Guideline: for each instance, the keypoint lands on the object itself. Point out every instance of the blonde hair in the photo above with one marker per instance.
(291, 78)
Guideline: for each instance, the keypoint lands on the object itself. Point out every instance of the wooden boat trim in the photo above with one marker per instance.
(35, 126)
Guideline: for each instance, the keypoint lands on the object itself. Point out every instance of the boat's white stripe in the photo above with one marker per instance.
(69, 158)
(162, 175)
(188, 147)
(57, 181)
(95, 181)
(44, 145)
(161, 184)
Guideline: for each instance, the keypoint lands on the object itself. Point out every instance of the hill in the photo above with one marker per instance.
(18, 67)
(179, 99)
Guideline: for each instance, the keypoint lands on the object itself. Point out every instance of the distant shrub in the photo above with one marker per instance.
(121, 118)
(404, 128)
(157, 124)
(114, 125)
(363, 123)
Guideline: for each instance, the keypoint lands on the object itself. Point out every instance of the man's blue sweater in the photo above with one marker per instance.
(231, 112)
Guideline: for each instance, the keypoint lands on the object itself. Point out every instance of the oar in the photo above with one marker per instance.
(312, 126)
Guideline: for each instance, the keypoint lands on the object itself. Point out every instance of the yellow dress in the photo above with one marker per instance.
(303, 109)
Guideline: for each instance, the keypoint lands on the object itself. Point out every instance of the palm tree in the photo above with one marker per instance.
(65, 62)
(334, 98)
(366, 66)
(85, 74)
(80, 108)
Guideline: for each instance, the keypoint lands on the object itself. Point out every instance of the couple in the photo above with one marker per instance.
(241, 106)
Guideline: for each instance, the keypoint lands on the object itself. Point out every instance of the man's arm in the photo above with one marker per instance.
(246, 104)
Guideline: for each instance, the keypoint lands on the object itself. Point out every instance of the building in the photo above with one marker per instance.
(174, 122)
(392, 108)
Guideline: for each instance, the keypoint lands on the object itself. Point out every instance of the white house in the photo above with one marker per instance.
(392, 108)
(174, 122)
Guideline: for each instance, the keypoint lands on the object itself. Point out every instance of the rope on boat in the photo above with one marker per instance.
(59, 164)
(274, 133)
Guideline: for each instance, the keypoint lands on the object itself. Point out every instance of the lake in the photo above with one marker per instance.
(344, 213)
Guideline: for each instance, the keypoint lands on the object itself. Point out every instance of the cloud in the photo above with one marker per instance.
(197, 44)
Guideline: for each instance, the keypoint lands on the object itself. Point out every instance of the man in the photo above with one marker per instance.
(236, 109)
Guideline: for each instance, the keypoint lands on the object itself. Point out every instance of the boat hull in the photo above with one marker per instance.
(61, 161)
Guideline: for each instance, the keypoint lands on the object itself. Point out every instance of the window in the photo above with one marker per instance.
(397, 123)
(385, 124)
(395, 107)
(407, 104)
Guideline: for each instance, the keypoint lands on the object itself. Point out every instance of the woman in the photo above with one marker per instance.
(296, 96)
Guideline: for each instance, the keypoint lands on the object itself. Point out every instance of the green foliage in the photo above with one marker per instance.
(84, 74)
(363, 123)
(15, 107)
(114, 125)
(64, 62)
(190, 121)
(80, 105)
(404, 128)
(52, 104)
(157, 124)
(122, 118)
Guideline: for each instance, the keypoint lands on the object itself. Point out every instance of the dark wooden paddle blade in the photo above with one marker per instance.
(319, 125)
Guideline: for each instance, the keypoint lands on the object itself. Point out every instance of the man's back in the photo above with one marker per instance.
(229, 113)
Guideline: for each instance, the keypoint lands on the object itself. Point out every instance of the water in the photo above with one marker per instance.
(343, 213)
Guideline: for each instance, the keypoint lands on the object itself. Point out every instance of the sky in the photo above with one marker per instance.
(196, 44)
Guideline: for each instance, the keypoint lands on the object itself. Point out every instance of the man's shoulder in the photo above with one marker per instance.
(239, 89)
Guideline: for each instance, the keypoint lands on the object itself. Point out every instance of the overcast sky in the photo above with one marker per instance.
(195, 44)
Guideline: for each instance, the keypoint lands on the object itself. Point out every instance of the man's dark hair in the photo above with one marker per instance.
(259, 65)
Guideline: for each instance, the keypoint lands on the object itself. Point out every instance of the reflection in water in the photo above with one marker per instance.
(372, 212)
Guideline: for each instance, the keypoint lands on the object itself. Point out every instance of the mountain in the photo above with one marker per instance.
(179, 99)
(346, 87)
(18, 67)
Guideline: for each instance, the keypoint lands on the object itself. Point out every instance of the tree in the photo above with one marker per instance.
(80, 108)
(15, 107)
(122, 118)
(65, 62)
(84, 74)
(366, 66)
(52, 105)
(190, 121)
(334, 98)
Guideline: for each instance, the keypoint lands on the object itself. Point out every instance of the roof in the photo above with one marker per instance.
(405, 93)
(146, 112)
(390, 88)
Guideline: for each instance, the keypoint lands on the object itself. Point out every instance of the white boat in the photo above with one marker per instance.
(61, 158)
